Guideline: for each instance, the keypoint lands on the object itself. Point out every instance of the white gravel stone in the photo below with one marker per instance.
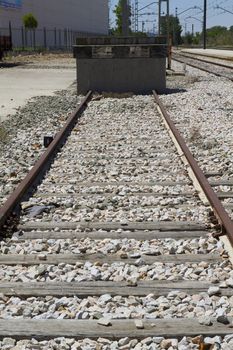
(104, 322)
(125, 247)
(205, 320)
(213, 291)
(139, 324)
(157, 343)
(135, 153)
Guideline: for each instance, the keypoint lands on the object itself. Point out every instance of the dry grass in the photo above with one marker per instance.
(117, 94)
(3, 134)
(195, 134)
(193, 80)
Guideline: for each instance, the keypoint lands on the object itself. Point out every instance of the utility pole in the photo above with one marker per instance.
(143, 26)
(136, 16)
(204, 24)
(167, 19)
(125, 18)
(168, 37)
(159, 17)
(168, 22)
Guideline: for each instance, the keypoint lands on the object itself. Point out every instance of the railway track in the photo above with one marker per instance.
(216, 68)
(116, 247)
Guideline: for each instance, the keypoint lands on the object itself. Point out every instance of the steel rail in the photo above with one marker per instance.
(220, 212)
(39, 168)
(204, 60)
(201, 68)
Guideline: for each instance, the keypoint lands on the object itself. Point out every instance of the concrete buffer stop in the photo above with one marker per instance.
(121, 64)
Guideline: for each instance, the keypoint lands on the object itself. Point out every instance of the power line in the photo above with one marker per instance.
(225, 10)
(137, 13)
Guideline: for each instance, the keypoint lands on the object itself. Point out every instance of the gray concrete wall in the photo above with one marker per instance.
(139, 75)
(79, 15)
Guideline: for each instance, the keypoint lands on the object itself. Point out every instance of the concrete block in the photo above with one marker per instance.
(110, 64)
(137, 75)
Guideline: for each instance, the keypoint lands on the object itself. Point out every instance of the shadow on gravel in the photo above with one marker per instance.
(10, 64)
(172, 91)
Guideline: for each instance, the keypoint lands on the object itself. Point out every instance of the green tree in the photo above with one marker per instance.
(197, 38)
(188, 39)
(29, 21)
(118, 12)
(175, 28)
(216, 36)
(215, 31)
(219, 36)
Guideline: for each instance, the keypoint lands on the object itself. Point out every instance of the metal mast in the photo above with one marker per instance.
(204, 24)
(125, 17)
(136, 16)
(159, 17)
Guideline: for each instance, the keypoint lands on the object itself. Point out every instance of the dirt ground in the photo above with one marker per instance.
(41, 59)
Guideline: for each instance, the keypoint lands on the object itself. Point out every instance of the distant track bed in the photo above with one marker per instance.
(216, 68)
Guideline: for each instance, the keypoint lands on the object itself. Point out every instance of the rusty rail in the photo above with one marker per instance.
(220, 212)
(201, 68)
(8, 208)
(201, 60)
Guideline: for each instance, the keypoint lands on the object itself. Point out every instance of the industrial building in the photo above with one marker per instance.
(59, 21)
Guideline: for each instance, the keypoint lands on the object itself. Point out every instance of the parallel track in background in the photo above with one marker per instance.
(99, 230)
(215, 68)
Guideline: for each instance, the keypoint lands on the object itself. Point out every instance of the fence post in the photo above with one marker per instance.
(10, 32)
(59, 38)
(26, 37)
(71, 38)
(55, 37)
(34, 38)
(22, 34)
(68, 38)
(65, 38)
(45, 39)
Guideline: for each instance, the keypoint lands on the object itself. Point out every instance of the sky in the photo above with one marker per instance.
(192, 17)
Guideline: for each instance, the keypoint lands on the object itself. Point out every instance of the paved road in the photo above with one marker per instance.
(18, 85)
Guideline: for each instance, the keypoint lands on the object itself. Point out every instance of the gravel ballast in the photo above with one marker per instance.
(122, 120)
(23, 136)
(150, 343)
(176, 305)
(118, 271)
(104, 174)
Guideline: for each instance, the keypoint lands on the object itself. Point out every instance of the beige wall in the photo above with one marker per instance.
(79, 15)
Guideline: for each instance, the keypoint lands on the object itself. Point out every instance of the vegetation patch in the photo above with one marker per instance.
(195, 134)
(3, 134)
(117, 94)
